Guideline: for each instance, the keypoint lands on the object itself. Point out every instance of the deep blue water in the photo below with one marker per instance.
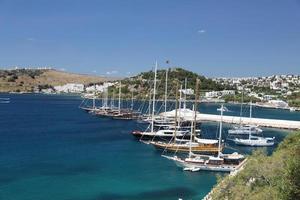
(50, 149)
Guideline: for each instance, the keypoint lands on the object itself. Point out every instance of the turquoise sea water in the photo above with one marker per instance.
(50, 149)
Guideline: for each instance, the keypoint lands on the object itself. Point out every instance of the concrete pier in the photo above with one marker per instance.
(188, 114)
(274, 123)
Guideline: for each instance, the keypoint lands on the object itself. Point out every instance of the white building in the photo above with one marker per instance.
(228, 92)
(214, 94)
(47, 91)
(98, 88)
(187, 91)
(69, 88)
(268, 97)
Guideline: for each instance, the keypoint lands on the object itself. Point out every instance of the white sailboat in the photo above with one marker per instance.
(246, 129)
(104, 109)
(151, 133)
(84, 104)
(158, 119)
(165, 125)
(256, 141)
(221, 162)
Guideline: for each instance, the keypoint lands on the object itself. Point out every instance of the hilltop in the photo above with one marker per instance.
(142, 83)
(266, 177)
(26, 80)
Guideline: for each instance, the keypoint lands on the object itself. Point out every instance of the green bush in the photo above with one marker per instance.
(266, 177)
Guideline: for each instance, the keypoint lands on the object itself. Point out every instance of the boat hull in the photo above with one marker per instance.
(211, 149)
(192, 166)
(253, 144)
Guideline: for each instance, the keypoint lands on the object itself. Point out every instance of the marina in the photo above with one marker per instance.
(149, 100)
(48, 156)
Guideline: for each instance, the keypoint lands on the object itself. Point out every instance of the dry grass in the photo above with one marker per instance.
(26, 83)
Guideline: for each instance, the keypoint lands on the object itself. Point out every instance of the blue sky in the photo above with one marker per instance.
(121, 38)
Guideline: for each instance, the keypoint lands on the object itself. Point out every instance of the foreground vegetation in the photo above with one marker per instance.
(266, 177)
(294, 100)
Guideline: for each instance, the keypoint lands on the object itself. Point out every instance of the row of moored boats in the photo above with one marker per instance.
(177, 132)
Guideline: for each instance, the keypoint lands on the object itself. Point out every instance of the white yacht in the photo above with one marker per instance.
(168, 133)
(255, 141)
(245, 129)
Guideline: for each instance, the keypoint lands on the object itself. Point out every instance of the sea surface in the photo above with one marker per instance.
(50, 149)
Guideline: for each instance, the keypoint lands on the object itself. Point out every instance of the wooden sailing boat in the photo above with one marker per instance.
(120, 113)
(159, 121)
(84, 104)
(111, 111)
(150, 133)
(221, 162)
(196, 144)
(104, 110)
(165, 126)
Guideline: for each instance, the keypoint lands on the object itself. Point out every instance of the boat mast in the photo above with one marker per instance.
(94, 98)
(191, 135)
(250, 111)
(250, 132)
(176, 105)
(166, 90)
(195, 110)
(105, 97)
(102, 99)
(220, 131)
(241, 112)
(179, 111)
(149, 105)
(185, 82)
(153, 101)
(180, 96)
(112, 100)
(132, 100)
(119, 106)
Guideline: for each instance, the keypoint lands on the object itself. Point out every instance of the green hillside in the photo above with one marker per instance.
(142, 82)
(266, 177)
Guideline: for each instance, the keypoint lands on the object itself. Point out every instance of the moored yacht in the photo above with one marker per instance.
(255, 141)
(245, 129)
(201, 146)
(196, 144)
(221, 162)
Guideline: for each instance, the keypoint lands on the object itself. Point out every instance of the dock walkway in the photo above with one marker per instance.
(274, 123)
(188, 115)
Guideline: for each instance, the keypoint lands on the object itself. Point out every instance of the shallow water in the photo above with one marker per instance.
(50, 149)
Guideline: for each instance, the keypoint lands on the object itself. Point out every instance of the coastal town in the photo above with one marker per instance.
(276, 91)
(271, 92)
(283, 85)
(150, 100)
